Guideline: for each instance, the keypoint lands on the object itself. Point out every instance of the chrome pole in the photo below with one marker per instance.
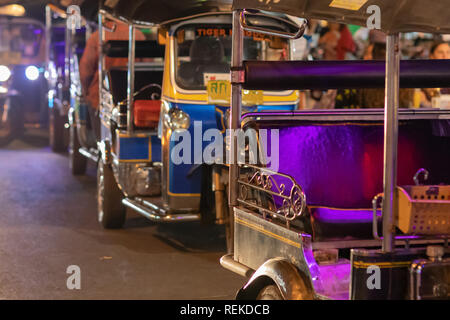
(130, 88)
(235, 108)
(101, 59)
(48, 34)
(390, 139)
(67, 44)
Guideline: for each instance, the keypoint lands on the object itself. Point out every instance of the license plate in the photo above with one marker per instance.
(219, 93)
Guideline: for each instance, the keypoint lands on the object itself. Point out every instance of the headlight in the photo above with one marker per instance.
(4, 73)
(32, 73)
(177, 119)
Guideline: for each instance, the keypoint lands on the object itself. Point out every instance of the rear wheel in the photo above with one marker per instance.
(78, 162)
(111, 211)
(57, 131)
(11, 120)
(270, 292)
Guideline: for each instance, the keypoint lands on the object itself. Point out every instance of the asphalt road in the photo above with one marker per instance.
(48, 222)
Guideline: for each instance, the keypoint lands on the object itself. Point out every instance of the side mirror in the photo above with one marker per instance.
(246, 26)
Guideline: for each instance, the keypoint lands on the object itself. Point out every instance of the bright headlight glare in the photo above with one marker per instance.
(32, 73)
(5, 73)
(177, 119)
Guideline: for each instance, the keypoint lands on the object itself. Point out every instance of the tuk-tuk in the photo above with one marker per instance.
(148, 108)
(22, 82)
(62, 41)
(313, 229)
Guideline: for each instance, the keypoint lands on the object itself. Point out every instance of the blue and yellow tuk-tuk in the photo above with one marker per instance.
(22, 83)
(63, 40)
(159, 116)
(313, 229)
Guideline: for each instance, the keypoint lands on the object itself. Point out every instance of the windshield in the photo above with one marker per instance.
(22, 42)
(204, 53)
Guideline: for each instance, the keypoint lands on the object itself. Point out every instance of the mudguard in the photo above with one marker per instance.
(289, 280)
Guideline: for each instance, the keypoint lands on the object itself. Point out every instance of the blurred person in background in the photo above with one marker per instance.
(371, 98)
(337, 43)
(374, 98)
(439, 50)
(89, 67)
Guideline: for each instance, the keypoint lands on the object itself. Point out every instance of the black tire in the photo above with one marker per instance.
(78, 162)
(111, 211)
(57, 131)
(270, 292)
(13, 125)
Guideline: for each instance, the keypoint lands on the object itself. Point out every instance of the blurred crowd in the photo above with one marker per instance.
(333, 41)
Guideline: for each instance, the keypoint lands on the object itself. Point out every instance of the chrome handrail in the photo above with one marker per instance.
(375, 202)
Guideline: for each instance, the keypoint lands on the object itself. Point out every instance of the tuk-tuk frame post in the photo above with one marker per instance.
(69, 32)
(48, 27)
(101, 58)
(130, 87)
(235, 107)
(390, 139)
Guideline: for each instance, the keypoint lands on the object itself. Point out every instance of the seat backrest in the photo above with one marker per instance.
(118, 77)
(340, 165)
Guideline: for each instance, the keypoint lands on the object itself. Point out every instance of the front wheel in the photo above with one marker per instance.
(78, 162)
(11, 120)
(270, 292)
(111, 211)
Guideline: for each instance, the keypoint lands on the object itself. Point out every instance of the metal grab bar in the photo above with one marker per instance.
(417, 175)
(112, 29)
(375, 202)
(283, 34)
(140, 91)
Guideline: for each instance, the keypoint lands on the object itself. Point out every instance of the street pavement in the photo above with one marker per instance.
(48, 222)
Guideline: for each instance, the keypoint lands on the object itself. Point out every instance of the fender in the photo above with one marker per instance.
(292, 284)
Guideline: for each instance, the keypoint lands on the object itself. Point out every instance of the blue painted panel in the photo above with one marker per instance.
(156, 148)
(186, 178)
(134, 148)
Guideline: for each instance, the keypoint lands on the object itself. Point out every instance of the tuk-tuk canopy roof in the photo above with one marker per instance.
(396, 16)
(163, 11)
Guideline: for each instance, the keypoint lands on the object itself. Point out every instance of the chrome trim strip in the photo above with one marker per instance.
(88, 154)
(152, 213)
(345, 115)
(357, 243)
